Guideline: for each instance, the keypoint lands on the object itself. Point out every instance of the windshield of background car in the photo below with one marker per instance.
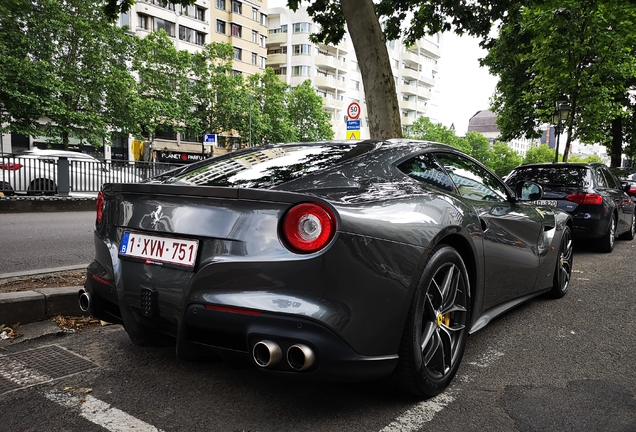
(553, 176)
(269, 166)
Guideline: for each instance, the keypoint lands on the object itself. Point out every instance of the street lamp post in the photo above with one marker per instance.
(560, 115)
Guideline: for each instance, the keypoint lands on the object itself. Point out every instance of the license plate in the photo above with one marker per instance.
(544, 203)
(157, 249)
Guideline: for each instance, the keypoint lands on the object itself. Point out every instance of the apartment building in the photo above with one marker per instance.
(243, 23)
(335, 74)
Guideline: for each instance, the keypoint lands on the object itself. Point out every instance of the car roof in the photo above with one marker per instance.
(55, 153)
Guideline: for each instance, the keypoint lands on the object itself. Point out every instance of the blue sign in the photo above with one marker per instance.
(209, 138)
(353, 124)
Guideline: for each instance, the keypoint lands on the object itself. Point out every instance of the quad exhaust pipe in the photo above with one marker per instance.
(268, 353)
(84, 299)
(300, 357)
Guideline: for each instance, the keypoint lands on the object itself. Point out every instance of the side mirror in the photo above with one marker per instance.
(528, 191)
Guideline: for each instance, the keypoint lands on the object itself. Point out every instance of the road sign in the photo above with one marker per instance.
(353, 110)
(353, 134)
(209, 138)
(353, 125)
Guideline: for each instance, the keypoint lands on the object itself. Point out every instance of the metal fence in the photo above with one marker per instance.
(61, 176)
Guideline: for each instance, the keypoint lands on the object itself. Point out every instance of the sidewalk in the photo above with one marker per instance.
(26, 204)
(30, 306)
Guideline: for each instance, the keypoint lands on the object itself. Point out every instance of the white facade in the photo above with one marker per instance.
(334, 72)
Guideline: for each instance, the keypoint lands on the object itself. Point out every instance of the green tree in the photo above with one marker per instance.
(582, 49)
(273, 96)
(480, 147)
(307, 116)
(63, 61)
(503, 159)
(539, 154)
(424, 129)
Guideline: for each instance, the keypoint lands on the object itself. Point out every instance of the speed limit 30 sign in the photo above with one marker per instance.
(353, 110)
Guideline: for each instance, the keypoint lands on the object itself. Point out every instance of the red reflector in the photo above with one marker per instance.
(235, 310)
(98, 279)
(11, 166)
(585, 198)
(99, 207)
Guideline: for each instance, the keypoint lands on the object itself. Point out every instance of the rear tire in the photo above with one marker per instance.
(436, 329)
(606, 243)
(42, 187)
(563, 270)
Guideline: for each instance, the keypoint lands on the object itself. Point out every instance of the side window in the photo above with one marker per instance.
(473, 181)
(611, 180)
(425, 169)
(602, 182)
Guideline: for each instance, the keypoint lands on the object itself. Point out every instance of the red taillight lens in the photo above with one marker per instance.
(99, 207)
(632, 190)
(308, 227)
(11, 166)
(585, 198)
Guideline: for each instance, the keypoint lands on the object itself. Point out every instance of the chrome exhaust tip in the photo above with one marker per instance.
(300, 357)
(84, 299)
(266, 353)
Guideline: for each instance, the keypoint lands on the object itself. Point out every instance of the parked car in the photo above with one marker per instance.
(35, 172)
(598, 203)
(341, 260)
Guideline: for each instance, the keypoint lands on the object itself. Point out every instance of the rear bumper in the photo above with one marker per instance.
(589, 225)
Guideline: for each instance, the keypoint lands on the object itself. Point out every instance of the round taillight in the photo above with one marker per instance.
(308, 227)
(99, 207)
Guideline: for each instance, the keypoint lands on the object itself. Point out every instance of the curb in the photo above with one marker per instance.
(30, 306)
(27, 204)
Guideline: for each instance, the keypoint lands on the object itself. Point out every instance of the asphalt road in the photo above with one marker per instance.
(558, 365)
(32, 241)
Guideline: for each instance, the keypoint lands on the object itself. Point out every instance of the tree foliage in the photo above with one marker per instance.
(579, 48)
(307, 116)
(500, 158)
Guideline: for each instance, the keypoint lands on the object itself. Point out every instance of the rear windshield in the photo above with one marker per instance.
(553, 176)
(267, 167)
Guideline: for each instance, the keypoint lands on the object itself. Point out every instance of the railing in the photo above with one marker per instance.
(63, 176)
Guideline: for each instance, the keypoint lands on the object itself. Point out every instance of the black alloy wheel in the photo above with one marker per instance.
(436, 329)
(606, 243)
(42, 187)
(563, 271)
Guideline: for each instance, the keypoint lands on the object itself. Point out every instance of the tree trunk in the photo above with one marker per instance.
(617, 142)
(65, 140)
(368, 41)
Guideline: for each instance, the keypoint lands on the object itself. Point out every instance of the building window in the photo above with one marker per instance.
(302, 27)
(220, 26)
(263, 41)
(263, 62)
(200, 40)
(167, 26)
(301, 49)
(186, 34)
(281, 71)
(263, 19)
(143, 22)
(255, 14)
(283, 28)
(124, 20)
(237, 53)
(200, 14)
(220, 4)
(236, 30)
(355, 85)
(300, 71)
(254, 59)
(254, 36)
(237, 7)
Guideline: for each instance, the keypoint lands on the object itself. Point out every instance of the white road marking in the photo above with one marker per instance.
(100, 412)
(423, 412)
(486, 360)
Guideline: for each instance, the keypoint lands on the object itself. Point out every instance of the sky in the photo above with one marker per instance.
(464, 86)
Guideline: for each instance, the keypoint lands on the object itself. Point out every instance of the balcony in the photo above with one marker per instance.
(408, 105)
(408, 89)
(330, 63)
(429, 49)
(424, 93)
(277, 38)
(329, 83)
(429, 81)
(407, 121)
(276, 59)
(408, 73)
(410, 58)
(332, 104)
